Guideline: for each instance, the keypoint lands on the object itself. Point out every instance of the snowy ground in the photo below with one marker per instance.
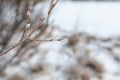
(96, 18)
(94, 55)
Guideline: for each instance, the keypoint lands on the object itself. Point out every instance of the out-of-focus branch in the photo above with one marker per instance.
(52, 6)
(29, 39)
(38, 26)
(27, 24)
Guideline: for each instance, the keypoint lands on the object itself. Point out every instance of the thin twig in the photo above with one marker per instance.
(6, 51)
(27, 24)
(47, 40)
(28, 39)
(51, 8)
(39, 25)
(26, 28)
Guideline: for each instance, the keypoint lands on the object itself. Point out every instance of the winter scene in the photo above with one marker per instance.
(59, 40)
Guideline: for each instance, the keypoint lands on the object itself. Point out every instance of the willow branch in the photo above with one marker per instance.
(27, 24)
(26, 28)
(51, 8)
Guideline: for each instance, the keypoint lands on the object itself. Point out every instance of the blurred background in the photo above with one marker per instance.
(88, 46)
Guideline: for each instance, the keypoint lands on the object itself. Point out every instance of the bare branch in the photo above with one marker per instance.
(27, 24)
(27, 27)
(38, 26)
(51, 8)
(6, 51)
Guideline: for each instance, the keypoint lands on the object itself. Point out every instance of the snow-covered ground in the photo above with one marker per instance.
(95, 53)
(100, 19)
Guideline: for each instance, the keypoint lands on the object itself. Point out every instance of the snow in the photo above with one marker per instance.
(97, 18)
(111, 66)
(100, 19)
(59, 59)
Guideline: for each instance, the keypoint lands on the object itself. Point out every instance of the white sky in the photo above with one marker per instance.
(96, 18)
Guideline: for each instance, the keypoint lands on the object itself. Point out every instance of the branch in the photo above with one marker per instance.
(26, 28)
(27, 24)
(51, 8)
(6, 51)
(28, 39)
(39, 25)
